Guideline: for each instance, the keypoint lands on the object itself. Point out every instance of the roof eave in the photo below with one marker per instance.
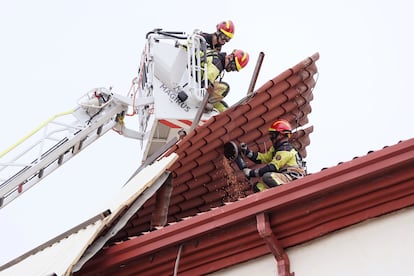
(366, 187)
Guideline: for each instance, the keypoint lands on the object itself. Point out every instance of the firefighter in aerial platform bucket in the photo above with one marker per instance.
(283, 161)
(217, 64)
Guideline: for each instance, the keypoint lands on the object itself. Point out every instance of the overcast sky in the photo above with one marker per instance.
(53, 52)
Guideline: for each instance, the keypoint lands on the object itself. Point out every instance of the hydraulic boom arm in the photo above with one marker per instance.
(60, 138)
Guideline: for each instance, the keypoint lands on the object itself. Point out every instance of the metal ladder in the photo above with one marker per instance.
(54, 142)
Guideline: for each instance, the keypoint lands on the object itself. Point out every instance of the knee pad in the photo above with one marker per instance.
(258, 187)
(221, 106)
(226, 88)
(221, 89)
(272, 179)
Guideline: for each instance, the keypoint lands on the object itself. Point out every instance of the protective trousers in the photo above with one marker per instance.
(217, 93)
(271, 179)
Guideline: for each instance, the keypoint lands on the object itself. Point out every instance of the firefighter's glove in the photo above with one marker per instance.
(246, 172)
(250, 173)
(245, 150)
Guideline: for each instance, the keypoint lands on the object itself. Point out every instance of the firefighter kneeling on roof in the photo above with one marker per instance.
(283, 162)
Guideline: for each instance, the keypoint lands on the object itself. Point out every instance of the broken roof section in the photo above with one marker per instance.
(202, 178)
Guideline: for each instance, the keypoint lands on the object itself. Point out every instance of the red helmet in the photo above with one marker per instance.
(227, 28)
(281, 126)
(241, 59)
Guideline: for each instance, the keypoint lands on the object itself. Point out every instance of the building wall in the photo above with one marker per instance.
(380, 246)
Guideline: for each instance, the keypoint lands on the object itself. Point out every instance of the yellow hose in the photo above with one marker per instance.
(35, 130)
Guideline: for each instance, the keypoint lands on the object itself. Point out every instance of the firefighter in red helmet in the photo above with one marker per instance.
(224, 32)
(283, 162)
(217, 64)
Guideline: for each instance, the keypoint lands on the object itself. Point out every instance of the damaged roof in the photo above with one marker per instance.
(206, 216)
(202, 180)
(202, 177)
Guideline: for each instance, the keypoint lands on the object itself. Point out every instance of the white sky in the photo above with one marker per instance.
(53, 52)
